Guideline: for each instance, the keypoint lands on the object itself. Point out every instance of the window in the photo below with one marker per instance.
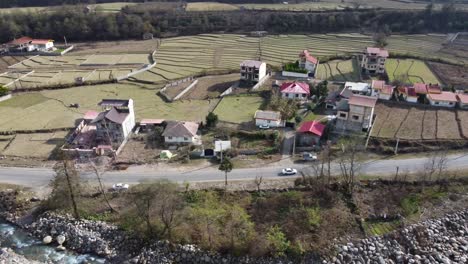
(436, 103)
(268, 121)
(243, 74)
(450, 103)
(169, 137)
(343, 115)
(304, 95)
(297, 95)
(185, 138)
(355, 117)
(287, 95)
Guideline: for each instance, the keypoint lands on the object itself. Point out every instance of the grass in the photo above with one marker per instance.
(416, 70)
(49, 109)
(238, 109)
(338, 70)
(210, 6)
(42, 144)
(377, 228)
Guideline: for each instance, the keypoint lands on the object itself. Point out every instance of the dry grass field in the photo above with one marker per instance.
(211, 86)
(37, 145)
(338, 70)
(419, 123)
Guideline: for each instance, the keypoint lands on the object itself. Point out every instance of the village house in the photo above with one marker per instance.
(356, 114)
(381, 90)
(310, 132)
(295, 90)
(252, 71)
(408, 93)
(181, 132)
(27, 44)
(307, 61)
(268, 119)
(373, 61)
(116, 122)
(358, 88)
(445, 99)
(462, 100)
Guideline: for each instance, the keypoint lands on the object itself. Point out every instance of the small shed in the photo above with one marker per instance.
(222, 145)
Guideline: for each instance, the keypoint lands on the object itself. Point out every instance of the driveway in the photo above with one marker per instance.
(288, 143)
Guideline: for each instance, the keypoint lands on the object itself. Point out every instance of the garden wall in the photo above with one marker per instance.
(5, 97)
(295, 74)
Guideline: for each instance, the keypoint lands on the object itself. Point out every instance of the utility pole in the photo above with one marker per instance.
(396, 146)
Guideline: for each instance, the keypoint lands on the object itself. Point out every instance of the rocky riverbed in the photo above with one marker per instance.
(443, 240)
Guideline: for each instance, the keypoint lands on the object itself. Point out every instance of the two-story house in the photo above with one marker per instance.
(115, 122)
(373, 60)
(307, 61)
(356, 114)
(252, 71)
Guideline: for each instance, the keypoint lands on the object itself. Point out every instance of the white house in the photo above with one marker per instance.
(252, 71)
(373, 60)
(462, 100)
(358, 88)
(116, 122)
(381, 90)
(445, 99)
(408, 93)
(177, 132)
(27, 44)
(295, 90)
(268, 118)
(307, 61)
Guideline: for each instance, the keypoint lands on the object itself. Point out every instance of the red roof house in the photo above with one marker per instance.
(377, 52)
(310, 132)
(446, 99)
(295, 90)
(434, 89)
(306, 55)
(420, 88)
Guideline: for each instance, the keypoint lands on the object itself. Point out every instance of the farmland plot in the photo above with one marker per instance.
(238, 109)
(447, 127)
(382, 111)
(411, 128)
(393, 122)
(463, 115)
(430, 124)
(414, 70)
(42, 144)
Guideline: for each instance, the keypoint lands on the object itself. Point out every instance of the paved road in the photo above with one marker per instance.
(38, 178)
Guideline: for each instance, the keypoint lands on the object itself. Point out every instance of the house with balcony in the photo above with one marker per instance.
(252, 71)
(373, 61)
(356, 114)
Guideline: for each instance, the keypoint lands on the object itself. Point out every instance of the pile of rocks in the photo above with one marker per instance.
(442, 240)
(82, 236)
(8, 256)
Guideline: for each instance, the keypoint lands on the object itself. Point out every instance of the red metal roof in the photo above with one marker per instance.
(41, 41)
(463, 98)
(434, 89)
(90, 115)
(314, 127)
(420, 88)
(387, 89)
(443, 96)
(408, 90)
(295, 87)
(377, 84)
(19, 41)
(362, 100)
(306, 54)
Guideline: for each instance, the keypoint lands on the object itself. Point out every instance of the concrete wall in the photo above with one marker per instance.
(5, 97)
(177, 97)
(271, 123)
(295, 74)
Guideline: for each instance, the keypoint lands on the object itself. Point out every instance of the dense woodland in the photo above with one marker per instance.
(76, 25)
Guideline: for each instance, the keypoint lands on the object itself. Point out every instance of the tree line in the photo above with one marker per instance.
(76, 25)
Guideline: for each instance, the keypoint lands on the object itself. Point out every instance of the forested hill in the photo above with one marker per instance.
(76, 25)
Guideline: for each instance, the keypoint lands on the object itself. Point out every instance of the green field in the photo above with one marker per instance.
(338, 70)
(238, 109)
(223, 52)
(210, 6)
(416, 70)
(103, 7)
(49, 109)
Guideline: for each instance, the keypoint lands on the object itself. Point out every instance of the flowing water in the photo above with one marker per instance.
(33, 249)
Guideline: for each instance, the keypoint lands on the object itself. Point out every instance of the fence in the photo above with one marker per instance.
(147, 67)
(261, 82)
(228, 91)
(295, 74)
(162, 92)
(186, 90)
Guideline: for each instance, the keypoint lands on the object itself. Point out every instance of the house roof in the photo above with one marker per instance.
(314, 127)
(267, 115)
(463, 98)
(434, 89)
(380, 52)
(362, 100)
(151, 121)
(377, 84)
(346, 93)
(113, 115)
(443, 96)
(114, 102)
(420, 88)
(387, 89)
(90, 115)
(251, 63)
(180, 129)
(308, 57)
(295, 87)
(357, 86)
(41, 41)
(19, 41)
(408, 90)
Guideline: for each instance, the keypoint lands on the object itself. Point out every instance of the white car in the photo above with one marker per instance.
(289, 171)
(120, 187)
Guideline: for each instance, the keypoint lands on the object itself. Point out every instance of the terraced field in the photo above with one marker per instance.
(238, 109)
(189, 55)
(408, 70)
(338, 70)
(49, 109)
(419, 123)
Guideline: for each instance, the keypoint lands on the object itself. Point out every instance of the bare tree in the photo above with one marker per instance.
(65, 187)
(349, 164)
(101, 186)
(436, 165)
(70, 171)
(258, 182)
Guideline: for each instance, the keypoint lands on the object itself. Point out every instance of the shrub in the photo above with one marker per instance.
(4, 91)
(294, 67)
(211, 119)
(277, 241)
(410, 205)
(313, 216)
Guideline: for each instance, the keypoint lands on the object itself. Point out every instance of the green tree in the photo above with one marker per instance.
(226, 166)
(277, 241)
(211, 119)
(4, 91)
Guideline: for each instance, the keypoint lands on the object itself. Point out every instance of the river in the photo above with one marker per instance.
(33, 249)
